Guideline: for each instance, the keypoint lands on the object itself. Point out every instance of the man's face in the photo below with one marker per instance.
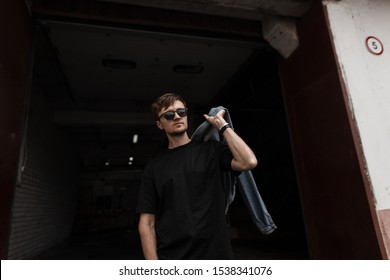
(178, 125)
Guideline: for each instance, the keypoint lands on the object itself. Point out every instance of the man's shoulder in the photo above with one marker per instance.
(157, 158)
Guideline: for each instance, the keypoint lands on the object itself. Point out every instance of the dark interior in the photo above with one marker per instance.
(252, 93)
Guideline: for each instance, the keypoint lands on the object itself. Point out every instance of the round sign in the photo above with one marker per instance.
(374, 45)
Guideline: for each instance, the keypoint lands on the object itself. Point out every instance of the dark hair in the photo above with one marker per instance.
(165, 101)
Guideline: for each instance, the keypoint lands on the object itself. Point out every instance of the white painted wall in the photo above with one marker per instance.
(367, 78)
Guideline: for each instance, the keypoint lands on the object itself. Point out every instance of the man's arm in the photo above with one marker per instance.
(147, 233)
(243, 156)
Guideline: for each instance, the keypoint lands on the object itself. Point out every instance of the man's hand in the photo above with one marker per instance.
(243, 156)
(217, 121)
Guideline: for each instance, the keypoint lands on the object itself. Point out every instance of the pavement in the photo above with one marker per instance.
(124, 244)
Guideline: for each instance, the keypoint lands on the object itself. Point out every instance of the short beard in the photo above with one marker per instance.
(178, 134)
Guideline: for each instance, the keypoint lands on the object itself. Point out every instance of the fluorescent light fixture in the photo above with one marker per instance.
(135, 138)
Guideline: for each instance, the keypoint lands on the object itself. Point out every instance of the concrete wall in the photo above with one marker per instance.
(364, 65)
(46, 196)
(337, 211)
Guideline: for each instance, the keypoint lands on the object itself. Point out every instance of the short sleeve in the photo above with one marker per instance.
(225, 157)
(147, 198)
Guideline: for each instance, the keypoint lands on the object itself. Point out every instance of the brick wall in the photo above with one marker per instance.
(46, 197)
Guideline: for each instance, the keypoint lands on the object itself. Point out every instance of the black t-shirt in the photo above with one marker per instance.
(184, 189)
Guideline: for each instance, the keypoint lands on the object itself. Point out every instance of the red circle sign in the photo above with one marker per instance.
(374, 45)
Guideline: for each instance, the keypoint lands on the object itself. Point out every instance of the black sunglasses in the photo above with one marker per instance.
(170, 115)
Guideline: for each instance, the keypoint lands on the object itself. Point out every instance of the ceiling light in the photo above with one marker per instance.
(188, 69)
(135, 138)
(118, 63)
(131, 158)
(107, 163)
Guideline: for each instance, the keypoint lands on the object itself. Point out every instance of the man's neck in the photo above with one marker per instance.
(178, 140)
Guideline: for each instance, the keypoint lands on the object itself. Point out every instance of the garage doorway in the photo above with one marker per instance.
(86, 108)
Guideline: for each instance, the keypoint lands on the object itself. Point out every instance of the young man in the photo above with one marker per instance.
(182, 199)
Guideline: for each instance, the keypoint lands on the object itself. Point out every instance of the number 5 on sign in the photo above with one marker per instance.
(374, 45)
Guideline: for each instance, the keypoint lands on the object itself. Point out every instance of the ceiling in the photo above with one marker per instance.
(101, 69)
(244, 9)
(197, 67)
